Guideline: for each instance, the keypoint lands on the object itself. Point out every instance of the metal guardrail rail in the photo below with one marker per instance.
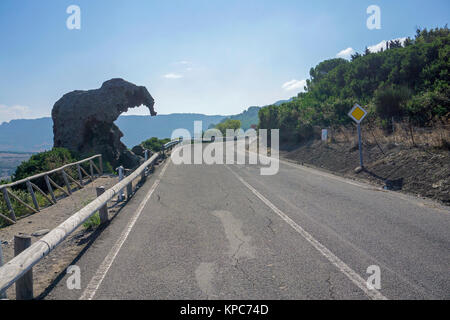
(51, 198)
(17, 267)
(170, 144)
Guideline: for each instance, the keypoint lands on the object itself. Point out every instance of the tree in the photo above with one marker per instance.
(411, 80)
(228, 124)
(390, 102)
(154, 144)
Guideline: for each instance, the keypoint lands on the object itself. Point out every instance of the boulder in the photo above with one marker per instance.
(358, 170)
(138, 150)
(83, 121)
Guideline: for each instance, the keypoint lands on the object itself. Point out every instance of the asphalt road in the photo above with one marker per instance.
(227, 232)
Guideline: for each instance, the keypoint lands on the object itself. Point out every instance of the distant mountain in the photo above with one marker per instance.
(279, 103)
(139, 128)
(27, 135)
(247, 118)
(37, 134)
(250, 116)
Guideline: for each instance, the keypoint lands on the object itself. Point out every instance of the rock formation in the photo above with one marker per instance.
(83, 121)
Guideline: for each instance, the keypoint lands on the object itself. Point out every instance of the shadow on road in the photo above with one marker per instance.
(395, 185)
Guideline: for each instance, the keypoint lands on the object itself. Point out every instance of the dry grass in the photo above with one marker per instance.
(437, 136)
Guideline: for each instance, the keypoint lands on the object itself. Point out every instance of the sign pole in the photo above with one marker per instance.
(358, 114)
(360, 146)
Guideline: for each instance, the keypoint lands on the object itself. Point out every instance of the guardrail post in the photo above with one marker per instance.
(100, 165)
(121, 170)
(8, 204)
(49, 188)
(129, 190)
(2, 294)
(91, 168)
(66, 181)
(80, 176)
(33, 196)
(146, 158)
(24, 286)
(103, 212)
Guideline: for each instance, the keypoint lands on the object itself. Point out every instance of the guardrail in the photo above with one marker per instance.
(170, 144)
(50, 197)
(22, 263)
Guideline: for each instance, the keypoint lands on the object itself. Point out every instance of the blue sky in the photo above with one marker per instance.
(212, 57)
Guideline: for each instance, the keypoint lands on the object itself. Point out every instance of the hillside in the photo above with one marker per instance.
(139, 128)
(9, 162)
(26, 135)
(405, 137)
(247, 118)
(403, 82)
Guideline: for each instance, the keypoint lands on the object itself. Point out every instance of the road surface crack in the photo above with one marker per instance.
(270, 225)
(331, 288)
(237, 249)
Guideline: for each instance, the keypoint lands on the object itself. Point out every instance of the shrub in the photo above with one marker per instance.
(20, 209)
(154, 144)
(228, 124)
(93, 222)
(429, 105)
(45, 161)
(390, 102)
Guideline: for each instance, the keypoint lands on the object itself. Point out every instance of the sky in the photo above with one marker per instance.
(195, 56)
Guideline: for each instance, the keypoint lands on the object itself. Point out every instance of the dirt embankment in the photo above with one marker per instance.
(418, 170)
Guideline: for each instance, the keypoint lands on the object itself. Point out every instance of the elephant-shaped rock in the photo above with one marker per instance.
(83, 121)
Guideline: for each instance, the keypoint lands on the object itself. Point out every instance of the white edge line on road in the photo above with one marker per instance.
(97, 279)
(338, 263)
(364, 185)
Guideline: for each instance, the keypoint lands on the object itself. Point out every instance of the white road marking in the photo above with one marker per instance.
(97, 279)
(366, 186)
(338, 263)
(321, 173)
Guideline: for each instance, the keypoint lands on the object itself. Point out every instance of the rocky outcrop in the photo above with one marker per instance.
(138, 150)
(83, 121)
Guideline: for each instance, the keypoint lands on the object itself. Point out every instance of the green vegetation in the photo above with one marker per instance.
(93, 221)
(42, 162)
(154, 144)
(247, 118)
(45, 161)
(408, 82)
(19, 209)
(228, 124)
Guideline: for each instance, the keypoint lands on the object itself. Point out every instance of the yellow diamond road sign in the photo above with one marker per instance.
(357, 113)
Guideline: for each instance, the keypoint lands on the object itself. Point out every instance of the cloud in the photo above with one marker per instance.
(8, 113)
(346, 53)
(173, 76)
(382, 45)
(294, 85)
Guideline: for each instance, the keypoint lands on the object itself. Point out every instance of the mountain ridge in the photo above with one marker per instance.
(36, 135)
